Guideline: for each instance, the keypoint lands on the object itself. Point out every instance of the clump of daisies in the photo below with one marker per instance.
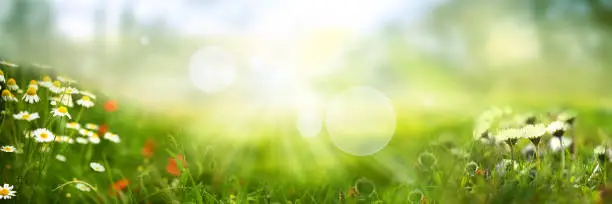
(509, 129)
(41, 122)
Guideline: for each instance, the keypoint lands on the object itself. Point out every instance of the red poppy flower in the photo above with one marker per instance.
(103, 129)
(148, 149)
(111, 106)
(119, 186)
(172, 167)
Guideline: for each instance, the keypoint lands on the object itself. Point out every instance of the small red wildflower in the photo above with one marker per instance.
(148, 149)
(103, 129)
(111, 106)
(119, 186)
(172, 167)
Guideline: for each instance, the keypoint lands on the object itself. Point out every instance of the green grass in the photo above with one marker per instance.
(273, 164)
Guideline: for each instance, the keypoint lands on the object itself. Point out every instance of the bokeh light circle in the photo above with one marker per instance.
(212, 69)
(360, 121)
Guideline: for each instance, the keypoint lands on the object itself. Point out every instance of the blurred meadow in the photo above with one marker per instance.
(301, 101)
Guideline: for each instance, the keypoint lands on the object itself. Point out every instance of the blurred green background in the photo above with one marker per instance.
(233, 77)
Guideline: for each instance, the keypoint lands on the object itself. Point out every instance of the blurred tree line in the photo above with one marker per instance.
(567, 32)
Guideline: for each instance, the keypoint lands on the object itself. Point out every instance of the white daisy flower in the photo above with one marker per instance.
(82, 187)
(534, 132)
(56, 87)
(557, 128)
(599, 150)
(601, 153)
(567, 117)
(33, 84)
(24, 115)
(46, 82)
(8, 148)
(66, 99)
(510, 135)
(60, 157)
(31, 96)
(64, 139)
(112, 137)
(73, 125)
(555, 143)
(6, 192)
(94, 138)
(2, 79)
(85, 101)
(5, 63)
(97, 167)
(88, 94)
(92, 126)
(84, 132)
(82, 140)
(43, 135)
(8, 96)
(12, 84)
(70, 90)
(61, 112)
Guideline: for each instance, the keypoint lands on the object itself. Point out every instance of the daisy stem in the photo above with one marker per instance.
(77, 181)
(537, 156)
(110, 176)
(2, 124)
(562, 155)
(605, 173)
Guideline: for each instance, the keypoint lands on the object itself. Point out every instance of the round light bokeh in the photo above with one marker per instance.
(361, 121)
(212, 69)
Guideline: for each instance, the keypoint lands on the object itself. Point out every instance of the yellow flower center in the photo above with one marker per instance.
(57, 83)
(44, 135)
(7, 149)
(62, 110)
(26, 116)
(1, 73)
(6, 93)
(86, 98)
(31, 91)
(47, 78)
(33, 82)
(95, 135)
(4, 192)
(11, 81)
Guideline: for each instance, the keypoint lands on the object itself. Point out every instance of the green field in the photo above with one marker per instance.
(433, 156)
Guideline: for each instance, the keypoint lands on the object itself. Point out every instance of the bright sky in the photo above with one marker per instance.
(237, 17)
